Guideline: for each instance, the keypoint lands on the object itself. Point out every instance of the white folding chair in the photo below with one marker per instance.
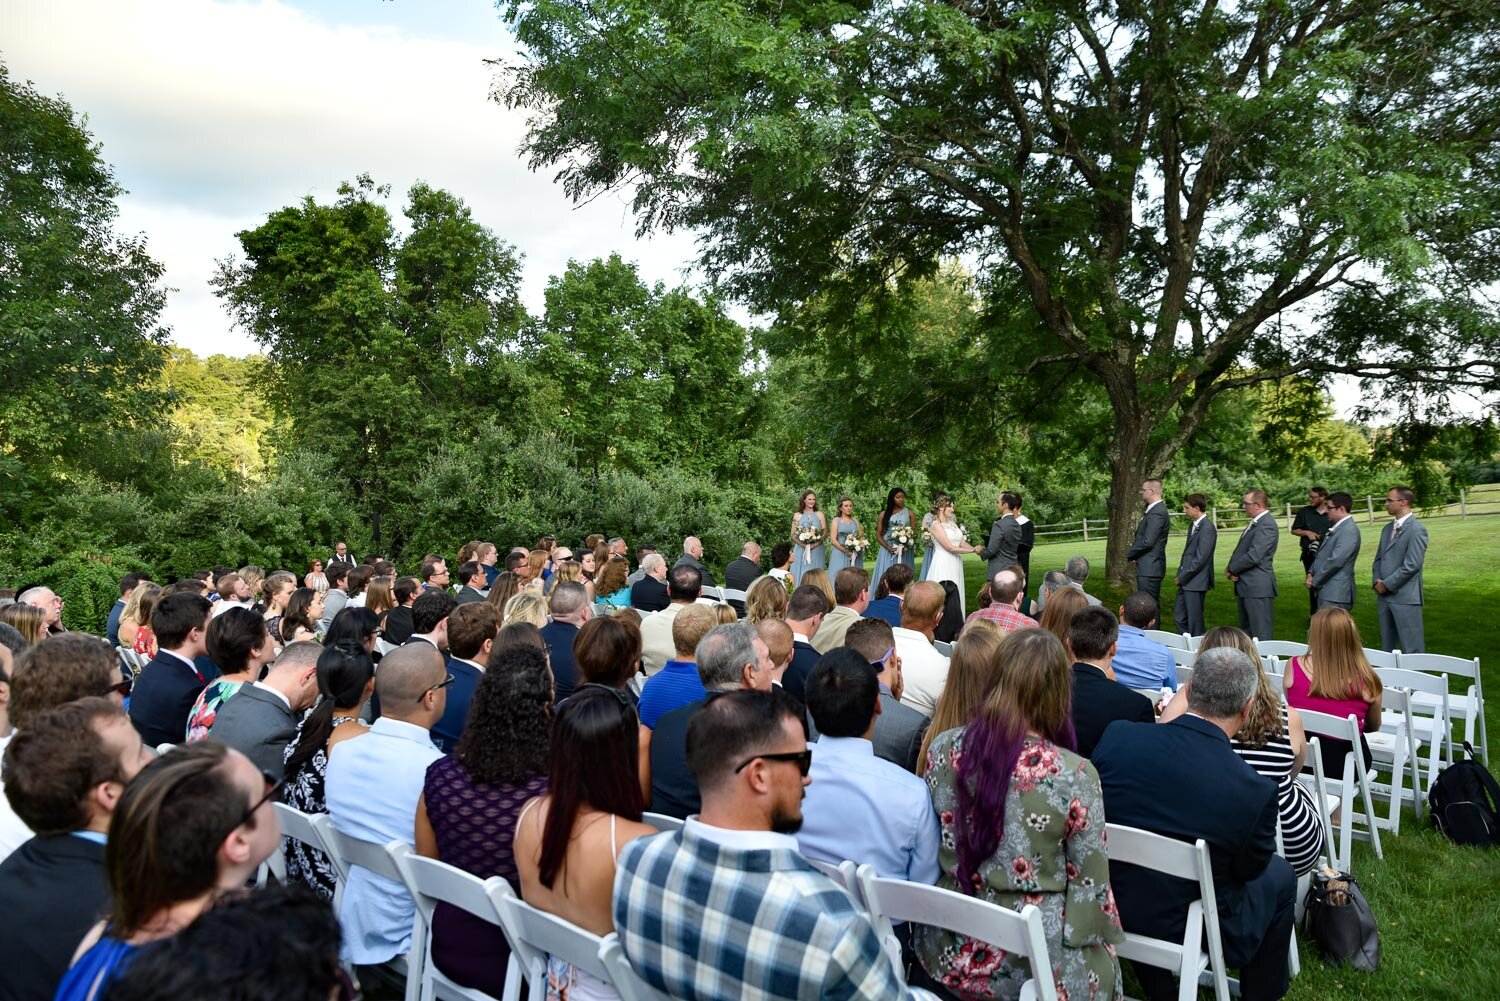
(1018, 933)
(1355, 780)
(1184, 675)
(661, 821)
(303, 827)
(1193, 642)
(1183, 657)
(622, 975)
(1468, 707)
(432, 883)
(163, 748)
(1285, 649)
(946, 649)
(1326, 801)
(1390, 750)
(535, 935)
(347, 853)
(1191, 958)
(730, 594)
(1429, 727)
(1174, 641)
(845, 874)
(1383, 658)
(1271, 665)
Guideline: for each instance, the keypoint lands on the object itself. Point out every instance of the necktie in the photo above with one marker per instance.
(1397, 533)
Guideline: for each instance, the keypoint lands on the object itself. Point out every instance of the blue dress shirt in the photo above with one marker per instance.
(867, 809)
(673, 687)
(372, 789)
(1143, 663)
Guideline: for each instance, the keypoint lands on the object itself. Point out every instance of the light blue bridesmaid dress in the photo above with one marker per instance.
(837, 560)
(927, 520)
(887, 559)
(802, 560)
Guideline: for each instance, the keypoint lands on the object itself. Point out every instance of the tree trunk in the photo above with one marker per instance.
(1127, 468)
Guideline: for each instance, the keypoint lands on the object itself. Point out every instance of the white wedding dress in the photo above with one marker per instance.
(946, 565)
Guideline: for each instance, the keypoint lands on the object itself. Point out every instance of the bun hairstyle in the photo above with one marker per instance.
(344, 669)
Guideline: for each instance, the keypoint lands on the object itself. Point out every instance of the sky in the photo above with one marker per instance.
(214, 114)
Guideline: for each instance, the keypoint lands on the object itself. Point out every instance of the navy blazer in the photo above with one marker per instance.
(52, 890)
(887, 608)
(460, 694)
(559, 636)
(1182, 779)
(112, 624)
(649, 595)
(674, 790)
(804, 659)
(1098, 701)
(163, 698)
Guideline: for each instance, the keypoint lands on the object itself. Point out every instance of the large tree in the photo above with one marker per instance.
(1170, 200)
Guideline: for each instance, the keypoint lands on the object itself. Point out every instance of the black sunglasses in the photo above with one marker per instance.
(121, 688)
(802, 758)
(273, 790)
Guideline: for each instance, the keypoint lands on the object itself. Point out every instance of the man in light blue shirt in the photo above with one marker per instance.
(373, 785)
(859, 806)
(1141, 662)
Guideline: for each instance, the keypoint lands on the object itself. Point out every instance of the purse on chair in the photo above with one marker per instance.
(1340, 922)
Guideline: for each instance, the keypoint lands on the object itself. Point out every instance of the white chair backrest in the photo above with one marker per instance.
(1184, 675)
(1183, 657)
(1327, 725)
(1438, 663)
(622, 975)
(1175, 641)
(1017, 933)
(1270, 665)
(349, 852)
(433, 882)
(1281, 648)
(845, 874)
(537, 935)
(661, 821)
(1382, 658)
(300, 826)
(1193, 642)
(730, 594)
(942, 647)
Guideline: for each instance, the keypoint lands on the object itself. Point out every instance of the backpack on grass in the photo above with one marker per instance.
(1465, 802)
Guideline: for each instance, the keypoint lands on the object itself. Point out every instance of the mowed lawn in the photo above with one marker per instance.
(1438, 906)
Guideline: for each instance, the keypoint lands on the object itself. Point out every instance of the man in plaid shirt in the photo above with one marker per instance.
(1006, 592)
(727, 907)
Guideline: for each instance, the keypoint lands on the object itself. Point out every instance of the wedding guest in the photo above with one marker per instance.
(781, 564)
(692, 556)
(336, 597)
(506, 586)
(804, 614)
(973, 672)
(777, 636)
(684, 585)
(887, 602)
(924, 669)
(899, 730)
(357, 583)
(472, 630)
(745, 568)
(570, 609)
(1007, 591)
(610, 591)
(1139, 661)
(131, 619)
(304, 610)
(396, 627)
(261, 720)
(277, 590)
(239, 646)
(1057, 617)
(852, 596)
(651, 593)
(1098, 697)
(112, 623)
(472, 579)
(168, 686)
(529, 606)
(28, 620)
(677, 683)
(380, 596)
(1335, 677)
(315, 578)
(809, 524)
(766, 599)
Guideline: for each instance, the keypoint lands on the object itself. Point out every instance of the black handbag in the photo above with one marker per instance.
(1340, 922)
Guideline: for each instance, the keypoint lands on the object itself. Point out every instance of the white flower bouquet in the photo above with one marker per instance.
(901, 536)
(807, 537)
(856, 544)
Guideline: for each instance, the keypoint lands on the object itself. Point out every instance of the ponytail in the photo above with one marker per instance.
(344, 669)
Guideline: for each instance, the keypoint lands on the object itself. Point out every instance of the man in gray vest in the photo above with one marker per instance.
(1331, 575)
(1250, 567)
(1195, 572)
(1149, 552)
(1397, 572)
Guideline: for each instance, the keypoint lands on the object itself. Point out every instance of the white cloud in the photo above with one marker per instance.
(214, 114)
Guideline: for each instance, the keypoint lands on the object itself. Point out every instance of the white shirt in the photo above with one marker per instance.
(924, 669)
(13, 833)
(185, 660)
(474, 664)
(1153, 504)
(220, 607)
(656, 638)
(1401, 520)
(745, 841)
(267, 688)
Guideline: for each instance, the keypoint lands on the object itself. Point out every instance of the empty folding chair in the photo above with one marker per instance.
(1174, 641)
(1430, 720)
(1383, 658)
(1354, 780)
(348, 853)
(1285, 649)
(626, 981)
(1018, 933)
(1192, 957)
(1468, 707)
(1182, 656)
(535, 935)
(1390, 750)
(661, 821)
(434, 883)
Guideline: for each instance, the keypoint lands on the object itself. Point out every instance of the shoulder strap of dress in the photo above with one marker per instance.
(521, 817)
(614, 849)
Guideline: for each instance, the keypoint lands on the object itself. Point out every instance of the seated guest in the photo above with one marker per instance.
(1182, 779)
(923, 669)
(336, 597)
(851, 589)
(1335, 677)
(355, 627)
(859, 806)
(777, 636)
(1098, 699)
(372, 788)
(678, 897)
(818, 577)
(261, 720)
(471, 799)
(781, 564)
(684, 585)
(650, 593)
(117, 611)
(1058, 617)
(641, 552)
(692, 556)
(275, 942)
(899, 729)
(194, 824)
(805, 610)
(677, 684)
(766, 599)
(475, 582)
(1052, 581)
(1023, 824)
(608, 653)
(396, 627)
(64, 775)
(570, 609)
(238, 644)
(973, 672)
(529, 606)
(135, 619)
(1077, 569)
(730, 658)
(1141, 662)
(429, 618)
(891, 591)
(1273, 743)
(1007, 591)
(609, 587)
(740, 574)
(565, 849)
(234, 592)
(300, 621)
(28, 620)
(167, 687)
(346, 680)
(472, 629)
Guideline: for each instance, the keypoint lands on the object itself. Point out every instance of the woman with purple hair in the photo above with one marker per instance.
(1023, 823)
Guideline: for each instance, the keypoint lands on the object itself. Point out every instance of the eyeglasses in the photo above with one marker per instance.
(441, 684)
(121, 688)
(802, 758)
(273, 789)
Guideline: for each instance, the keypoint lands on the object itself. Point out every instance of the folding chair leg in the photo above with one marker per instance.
(1364, 791)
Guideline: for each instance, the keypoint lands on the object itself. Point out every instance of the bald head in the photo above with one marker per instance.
(405, 675)
(751, 551)
(693, 547)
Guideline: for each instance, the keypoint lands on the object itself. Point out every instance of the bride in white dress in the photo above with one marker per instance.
(948, 549)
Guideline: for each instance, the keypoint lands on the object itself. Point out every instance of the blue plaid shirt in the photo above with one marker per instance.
(702, 920)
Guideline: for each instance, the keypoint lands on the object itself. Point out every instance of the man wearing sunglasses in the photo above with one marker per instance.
(729, 899)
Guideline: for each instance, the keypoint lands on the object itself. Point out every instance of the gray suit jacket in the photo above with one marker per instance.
(898, 733)
(1398, 561)
(258, 724)
(708, 575)
(1333, 567)
(333, 603)
(1150, 548)
(1196, 569)
(1252, 559)
(1004, 545)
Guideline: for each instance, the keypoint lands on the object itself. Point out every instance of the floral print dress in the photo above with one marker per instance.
(1051, 854)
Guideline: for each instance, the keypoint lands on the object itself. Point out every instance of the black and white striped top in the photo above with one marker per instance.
(1301, 834)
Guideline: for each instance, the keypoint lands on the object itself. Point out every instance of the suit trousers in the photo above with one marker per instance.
(1257, 616)
(1400, 626)
(1187, 613)
(1152, 586)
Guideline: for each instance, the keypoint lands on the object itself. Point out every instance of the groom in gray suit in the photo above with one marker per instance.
(1195, 573)
(1251, 568)
(1003, 549)
(1149, 552)
(1398, 574)
(1331, 575)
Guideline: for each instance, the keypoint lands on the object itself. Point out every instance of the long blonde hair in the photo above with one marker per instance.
(973, 672)
(766, 599)
(1334, 648)
(527, 606)
(818, 578)
(1264, 721)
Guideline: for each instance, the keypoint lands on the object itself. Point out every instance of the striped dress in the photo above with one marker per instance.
(1302, 835)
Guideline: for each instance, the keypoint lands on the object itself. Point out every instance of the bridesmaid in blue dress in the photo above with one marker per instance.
(896, 513)
(807, 516)
(844, 525)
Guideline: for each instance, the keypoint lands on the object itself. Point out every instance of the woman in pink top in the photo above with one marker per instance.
(1336, 678)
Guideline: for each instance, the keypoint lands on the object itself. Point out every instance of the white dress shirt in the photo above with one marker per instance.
(924, 669)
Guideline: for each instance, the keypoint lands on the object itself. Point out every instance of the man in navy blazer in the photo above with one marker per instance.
(888, 608)
(804, 614)
(1183, 780)
(167, 687)
(1098, 699)
(570, 610)
(472, 629)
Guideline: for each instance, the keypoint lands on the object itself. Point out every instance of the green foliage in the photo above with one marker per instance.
(219, 413)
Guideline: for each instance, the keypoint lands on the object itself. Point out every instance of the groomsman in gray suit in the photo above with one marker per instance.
(1331, 576)
(1195, 573)
(1250, 567)
(1149, 552)
(1398, 575)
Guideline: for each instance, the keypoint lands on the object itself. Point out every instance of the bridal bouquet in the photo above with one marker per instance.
(927, 538)
(856, 544)
(901, 536)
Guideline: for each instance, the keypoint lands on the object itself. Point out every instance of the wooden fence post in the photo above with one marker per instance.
(1463, 504)
(1370, 507)
(1085, 530)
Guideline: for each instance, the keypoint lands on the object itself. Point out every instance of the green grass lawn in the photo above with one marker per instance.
(1438, 906)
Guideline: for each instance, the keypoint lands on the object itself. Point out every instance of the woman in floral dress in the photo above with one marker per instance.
(1023, 823)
